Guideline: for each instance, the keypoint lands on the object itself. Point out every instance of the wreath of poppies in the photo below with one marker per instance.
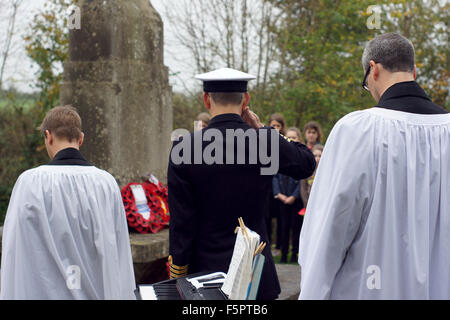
(156, 195)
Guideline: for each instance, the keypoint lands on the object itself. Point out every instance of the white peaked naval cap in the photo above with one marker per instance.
(225, 80)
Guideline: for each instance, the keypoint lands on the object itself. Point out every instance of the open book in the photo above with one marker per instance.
(244, 273)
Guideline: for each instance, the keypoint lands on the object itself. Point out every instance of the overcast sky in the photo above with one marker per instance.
(21, 71)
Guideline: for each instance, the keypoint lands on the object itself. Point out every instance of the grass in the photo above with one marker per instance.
(24, 100)
(277, 259)
(27, 104)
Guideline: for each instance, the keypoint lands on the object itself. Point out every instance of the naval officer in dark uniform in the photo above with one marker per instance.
(206, 198)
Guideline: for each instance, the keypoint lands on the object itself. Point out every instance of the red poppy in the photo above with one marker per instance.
(159, 217)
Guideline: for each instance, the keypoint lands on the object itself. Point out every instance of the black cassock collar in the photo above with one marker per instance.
(69, 157)
(409, 97)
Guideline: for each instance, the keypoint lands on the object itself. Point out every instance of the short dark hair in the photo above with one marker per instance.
(278, 117)
(63, 122)
(227, 98)
(315, 126)
(392, 50)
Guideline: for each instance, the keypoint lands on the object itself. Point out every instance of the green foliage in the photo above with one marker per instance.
(20, 143)
(319, 49)
(47, 46)
(185, 110)
(320, 44)
(426, 24)
(318, 75)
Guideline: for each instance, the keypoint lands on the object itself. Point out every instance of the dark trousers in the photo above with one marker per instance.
(291, 225)
(274, 212)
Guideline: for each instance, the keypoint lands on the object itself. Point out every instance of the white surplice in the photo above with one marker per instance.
(66, 237)
(377, 225)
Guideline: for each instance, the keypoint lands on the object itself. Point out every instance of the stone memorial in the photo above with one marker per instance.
(117, 80)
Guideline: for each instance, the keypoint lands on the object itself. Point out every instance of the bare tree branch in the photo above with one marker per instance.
(223, 33)
(15, 4)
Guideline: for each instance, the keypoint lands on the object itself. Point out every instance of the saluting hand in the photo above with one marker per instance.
(251, 118)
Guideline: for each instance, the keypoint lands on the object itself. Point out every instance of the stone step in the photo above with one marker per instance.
(289, 276)
(150, 252)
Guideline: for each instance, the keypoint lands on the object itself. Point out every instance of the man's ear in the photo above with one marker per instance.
(48, 137)
(376, 69)
(415, 72)
(246, 101)
(81, 140)
(207, 100)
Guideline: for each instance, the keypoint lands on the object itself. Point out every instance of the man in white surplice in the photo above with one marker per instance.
(377, 225)
(65, 234)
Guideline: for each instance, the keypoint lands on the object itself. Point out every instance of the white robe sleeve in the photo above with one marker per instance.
(339, 196)
(17, 276)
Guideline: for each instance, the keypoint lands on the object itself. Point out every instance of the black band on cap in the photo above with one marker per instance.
(225, 86)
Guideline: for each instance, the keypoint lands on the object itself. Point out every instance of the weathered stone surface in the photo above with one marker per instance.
(149, 247)
(117, 80)
(289, 276)
(150, 252)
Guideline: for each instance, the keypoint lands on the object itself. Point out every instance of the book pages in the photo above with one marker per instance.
(239, 274)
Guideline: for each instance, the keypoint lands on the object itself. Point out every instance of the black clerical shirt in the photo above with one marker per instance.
(409, 97)
(69, 157)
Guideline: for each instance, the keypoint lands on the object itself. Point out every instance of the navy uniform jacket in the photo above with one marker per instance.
(205, 202)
